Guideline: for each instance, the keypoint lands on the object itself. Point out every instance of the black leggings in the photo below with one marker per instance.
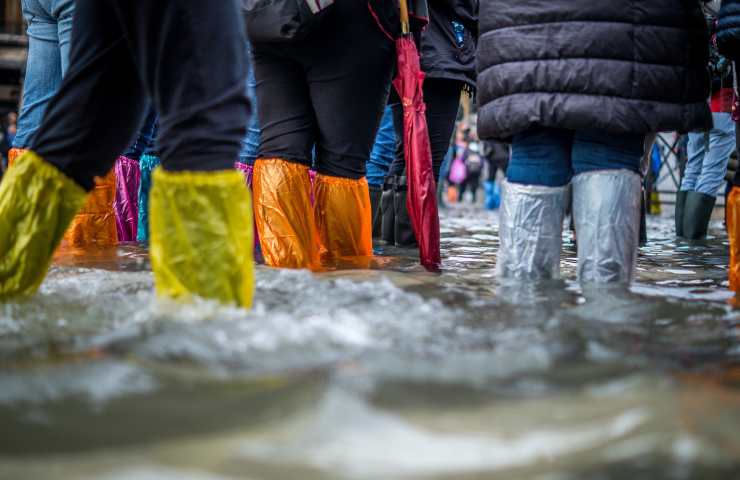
(327, 92)
(442, 98)
(188, 56)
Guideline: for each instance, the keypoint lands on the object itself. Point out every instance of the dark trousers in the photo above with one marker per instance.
(186, 57)
(327, 92)
(442, 98)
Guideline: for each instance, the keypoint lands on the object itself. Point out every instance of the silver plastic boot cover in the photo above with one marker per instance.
(606, 208)
(531, 231)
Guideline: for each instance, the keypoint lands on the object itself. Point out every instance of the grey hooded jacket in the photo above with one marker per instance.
(624, 66)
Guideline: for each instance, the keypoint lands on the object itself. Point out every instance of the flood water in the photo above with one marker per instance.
(384, 374)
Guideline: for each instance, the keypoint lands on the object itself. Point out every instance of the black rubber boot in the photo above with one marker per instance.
(643, 220)
(388, 212)
(697, 214)
(375, 195)
(680, 204)
(404, 232)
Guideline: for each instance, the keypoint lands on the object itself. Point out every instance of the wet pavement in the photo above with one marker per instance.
(385, 374)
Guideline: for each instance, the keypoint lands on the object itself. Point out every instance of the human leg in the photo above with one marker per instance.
(41, 195)
(607, 190)
(381, 157)
(360, 59)
(201, 226)
(43, 69)
(533, 204)
(282, 187)
(697, 149)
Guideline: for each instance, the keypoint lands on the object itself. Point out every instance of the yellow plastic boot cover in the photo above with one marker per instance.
(282, 196)
(733, 230)
(37, 202)
(96, 222)
(201, 236)
(344, 219)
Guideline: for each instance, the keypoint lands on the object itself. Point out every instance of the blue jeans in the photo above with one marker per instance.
(550, 157)
(709, 154)
(251, 143)
(384, 150)
(49, 34)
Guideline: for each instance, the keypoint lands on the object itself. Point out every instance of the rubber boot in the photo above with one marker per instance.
(285, 217)
(201, 235)
(126, 203)
(531, 231)
(680, 206)
(606, 207)
(344, 220)
(403, 230)
(388, 212)
(697, 214)
(95, 224)
(376, 193)
(643, 219)
(733, 231)
(37, 203)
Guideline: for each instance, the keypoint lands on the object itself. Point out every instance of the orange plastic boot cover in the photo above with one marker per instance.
(14, 154)
(733, 230)
(284, 216)
(344, 218)
(96, 222)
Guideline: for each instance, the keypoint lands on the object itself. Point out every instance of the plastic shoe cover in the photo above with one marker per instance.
(37, 202)
(95, 224)
(14, 154)
(531, 231)
(201, 227)
(285, 220)
(147, 164)
(126, 205)
(606, 208)
(344, 219)
(248, 173)
(733, 231)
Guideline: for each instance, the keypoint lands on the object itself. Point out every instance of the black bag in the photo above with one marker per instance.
(283, 21)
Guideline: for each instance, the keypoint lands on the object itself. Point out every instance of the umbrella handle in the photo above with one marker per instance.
(405, 28)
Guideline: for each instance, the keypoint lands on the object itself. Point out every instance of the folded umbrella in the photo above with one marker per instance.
(422, 189)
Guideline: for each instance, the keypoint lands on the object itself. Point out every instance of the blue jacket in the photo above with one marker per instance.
(728, 29)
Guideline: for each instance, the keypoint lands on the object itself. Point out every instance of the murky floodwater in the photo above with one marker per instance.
(386, 374)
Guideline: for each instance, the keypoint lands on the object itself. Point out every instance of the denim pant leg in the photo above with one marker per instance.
(595, 150)
(697, 149)
(43, 70)
(541, 156)
(384, 150)
(63, 11)
(251, 143)
(721, 146)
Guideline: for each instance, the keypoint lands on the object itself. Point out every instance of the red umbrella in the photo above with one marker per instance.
(422, 186)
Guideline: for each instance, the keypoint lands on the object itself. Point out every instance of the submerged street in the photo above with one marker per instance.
(381, 374)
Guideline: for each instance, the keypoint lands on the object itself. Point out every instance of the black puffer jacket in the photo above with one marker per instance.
(624, 66)
(728, 29)
(445, 52)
